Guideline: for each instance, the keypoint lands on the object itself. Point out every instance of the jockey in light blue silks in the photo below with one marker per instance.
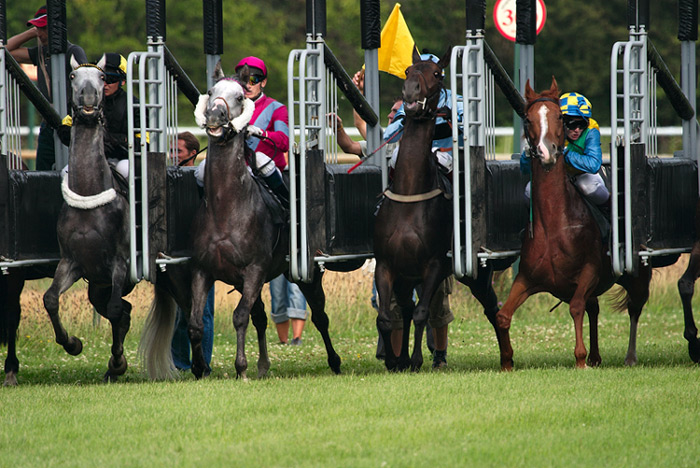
(442, 141)
(582, 151)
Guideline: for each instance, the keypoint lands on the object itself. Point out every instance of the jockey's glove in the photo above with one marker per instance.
(252, 130)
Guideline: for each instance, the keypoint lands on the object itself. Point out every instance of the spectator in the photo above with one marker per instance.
(39, 56)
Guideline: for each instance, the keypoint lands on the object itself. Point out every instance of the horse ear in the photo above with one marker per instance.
(445, 60)
(416, 55)
(73, 63)
(554, 89)
(529, 92)
(243, 74)
(103, 61)
(218, 72)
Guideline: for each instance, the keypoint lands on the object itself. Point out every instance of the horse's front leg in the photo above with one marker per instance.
(241, 316)
(403, 292)
(201, 284)
(316, 298)
(384, 280)
(518, 294)
(67, 273)
(637, 288)
(593, 310)
(118, 312)
(587, 281)
(259, 319)
(686, 288)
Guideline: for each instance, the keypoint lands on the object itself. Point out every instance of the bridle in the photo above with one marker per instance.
(430, 112)
(533, 150)
(235, 125)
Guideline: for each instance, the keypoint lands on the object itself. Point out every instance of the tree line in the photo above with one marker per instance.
(574, 45)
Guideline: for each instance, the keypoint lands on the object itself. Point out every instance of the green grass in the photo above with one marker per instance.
(546, 413)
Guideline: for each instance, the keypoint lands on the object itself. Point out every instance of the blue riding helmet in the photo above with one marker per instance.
(575, 105)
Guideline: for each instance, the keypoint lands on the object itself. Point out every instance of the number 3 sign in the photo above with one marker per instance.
(504, 17)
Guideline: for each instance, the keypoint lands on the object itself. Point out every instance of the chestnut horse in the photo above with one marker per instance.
(563, 252)
(413, 229)
(686, 287)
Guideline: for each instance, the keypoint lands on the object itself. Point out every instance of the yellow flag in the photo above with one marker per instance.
(396, 52)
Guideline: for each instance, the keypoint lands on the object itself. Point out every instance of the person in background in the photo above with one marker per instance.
(39, 56)
(187, 149)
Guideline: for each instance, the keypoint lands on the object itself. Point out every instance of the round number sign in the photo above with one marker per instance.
(504, 17)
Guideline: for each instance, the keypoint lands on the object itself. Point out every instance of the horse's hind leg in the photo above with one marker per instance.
(201, 284)
(259, 319)
(66, 274)
(10, 291)
(403, 295)
(593, 309)
(637, 288)
(482, 289)
(686, 288)
(384, 280)
(316, 298)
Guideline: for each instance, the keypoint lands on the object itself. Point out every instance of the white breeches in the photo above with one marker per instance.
(444, 158)
(266, 166)
(591, 186)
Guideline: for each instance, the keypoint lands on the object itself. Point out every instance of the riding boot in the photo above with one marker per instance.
(276, 183)
(606, 208)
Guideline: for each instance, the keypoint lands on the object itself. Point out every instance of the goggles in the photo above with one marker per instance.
(113, 78)
(255, 79)
(578, 124)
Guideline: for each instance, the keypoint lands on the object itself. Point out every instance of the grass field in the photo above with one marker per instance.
(546, 413)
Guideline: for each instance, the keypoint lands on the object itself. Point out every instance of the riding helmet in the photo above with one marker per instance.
(575, 105)
(253, 62)
(115, 67)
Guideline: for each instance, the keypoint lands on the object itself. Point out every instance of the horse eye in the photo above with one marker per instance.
(72, 76)
(209, 92)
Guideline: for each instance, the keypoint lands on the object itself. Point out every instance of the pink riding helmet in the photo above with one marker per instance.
(253, 62)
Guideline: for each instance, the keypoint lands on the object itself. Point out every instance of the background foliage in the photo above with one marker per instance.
(574, 45)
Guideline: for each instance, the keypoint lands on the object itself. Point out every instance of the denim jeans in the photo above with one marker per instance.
(287, 300)
(180, 346)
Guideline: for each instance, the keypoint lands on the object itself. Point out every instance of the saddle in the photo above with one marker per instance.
(121, 184)
(279, 210)
(601, 219)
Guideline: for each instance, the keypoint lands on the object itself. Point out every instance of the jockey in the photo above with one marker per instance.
(442, 141)
(582, 151)
(268, 131)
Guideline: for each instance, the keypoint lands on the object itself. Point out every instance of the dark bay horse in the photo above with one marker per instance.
(413, 229)
(235, 238)
(686, 288)
(565, 255)
(93, 225)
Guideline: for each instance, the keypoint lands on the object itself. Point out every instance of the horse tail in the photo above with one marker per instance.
(619, 299)
(157, 335)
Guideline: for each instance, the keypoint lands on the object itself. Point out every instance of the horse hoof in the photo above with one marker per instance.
(694, 350)
(242, 375)
(197, 371)
(74, 346)
(263, 367)
(631, 360)
(110, 378)
(594, 362)
(118, 368)
(10, 379)
(334, 364)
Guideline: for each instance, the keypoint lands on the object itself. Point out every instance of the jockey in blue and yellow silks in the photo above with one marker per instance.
(582, 151)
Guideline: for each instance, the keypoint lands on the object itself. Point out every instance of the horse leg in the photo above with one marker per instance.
(316, 298)
(241, 317)
(119, 317)
(201, 284)
(593, 309)
(384, 280)
(403, 293)
(259, 319)
(482, 289)
(518, 294)
(587, 281)
(10, 291)
(433, 275)
(686, 288)
(67, 273)
(637, 288)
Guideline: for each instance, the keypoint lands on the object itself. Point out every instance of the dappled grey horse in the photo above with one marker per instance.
(93, 224)
(235, 238)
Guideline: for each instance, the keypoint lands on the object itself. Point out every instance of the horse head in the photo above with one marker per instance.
(424, 81)
(544, 125)
(225, 111)
(87, 83)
